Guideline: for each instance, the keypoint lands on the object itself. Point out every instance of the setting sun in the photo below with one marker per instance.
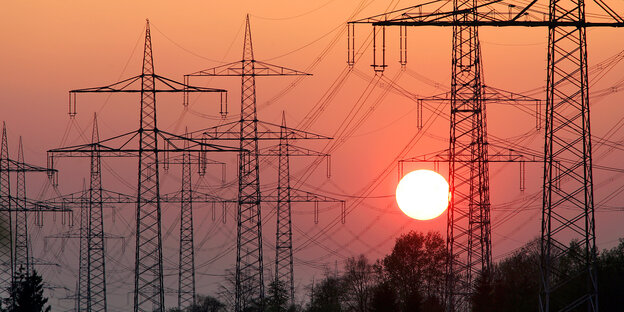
(422, 194)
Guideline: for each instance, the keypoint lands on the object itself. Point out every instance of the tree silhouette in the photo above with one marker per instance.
(415, 270)
(359, 280)
(26, 294)
(277, 299)
(326, 296)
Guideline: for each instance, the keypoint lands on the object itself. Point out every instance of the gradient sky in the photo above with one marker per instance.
(50, 47)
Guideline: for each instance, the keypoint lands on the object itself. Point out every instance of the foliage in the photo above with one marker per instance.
(412, 277)
(415, 270)
(278, 297)
(326, 296)
(26, 292)
(207, 304)
(358, 282)
(611, 278)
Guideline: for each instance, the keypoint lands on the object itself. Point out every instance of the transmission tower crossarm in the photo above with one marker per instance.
(196, 196)
(74, 234)
(490, 94)
(293, 150)
(301, 196)
(236, 69)
(127, 145)
(132, 85)
(15, 166)
(73, 200)
(266, 131)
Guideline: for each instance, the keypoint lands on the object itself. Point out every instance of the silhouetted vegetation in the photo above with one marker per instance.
(412, 278)
(514, 283)
(26, 294)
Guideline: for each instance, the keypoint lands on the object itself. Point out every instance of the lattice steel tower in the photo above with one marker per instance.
(6, 239)
(186, 270)
(95, 287)
(568, 200)
(283, 240)
(144, 144)
(568, 206)
(249, 260)
(468, 226)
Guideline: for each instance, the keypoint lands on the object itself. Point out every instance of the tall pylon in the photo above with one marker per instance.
(468, 238)
(249, 258)
(143, 144)
(468, 233)
(568, 208)
(6, 226)
(148, 278)
(568, 193)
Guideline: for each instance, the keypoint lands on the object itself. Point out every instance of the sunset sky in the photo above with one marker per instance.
(51, 47)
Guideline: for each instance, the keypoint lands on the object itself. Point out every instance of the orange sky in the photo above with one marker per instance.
(50, 47)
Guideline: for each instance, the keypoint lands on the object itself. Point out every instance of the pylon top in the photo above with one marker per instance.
(491, 13)
(248, 54)
(260, 68)
(95, 135)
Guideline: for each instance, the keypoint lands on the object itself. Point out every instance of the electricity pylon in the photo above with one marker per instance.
(468, 219)
(249, 259)
(14, 248)
(22, 255)
(568, 208)
(6, 236)
(468, 227)
(146, 143)
(284, 269)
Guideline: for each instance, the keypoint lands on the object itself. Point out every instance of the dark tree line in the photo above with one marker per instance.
(411, 278)
(514, 284)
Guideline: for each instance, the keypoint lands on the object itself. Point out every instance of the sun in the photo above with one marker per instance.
(423, 194)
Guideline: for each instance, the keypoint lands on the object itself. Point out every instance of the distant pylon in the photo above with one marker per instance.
(283, 240)
(186, 270)
(22, 255)
(249, 259)
(96, 287)
(144, 144)
(17, 255)
(82, 290)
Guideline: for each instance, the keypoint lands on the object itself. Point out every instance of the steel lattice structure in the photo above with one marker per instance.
(6, 239)
(468, 222)
(284, 272)
(249, 258)
(568, 211)
(14, 255)
(146, 144)
(22, 255)
(286, 195)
